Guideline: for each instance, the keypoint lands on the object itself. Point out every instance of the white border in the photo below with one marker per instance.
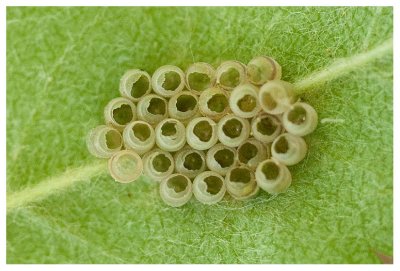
(396, 138)
(208, 267)
(3, 116)
(201, 3)
(396, 135)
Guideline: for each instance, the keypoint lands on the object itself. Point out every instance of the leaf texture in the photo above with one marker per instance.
(64, 64)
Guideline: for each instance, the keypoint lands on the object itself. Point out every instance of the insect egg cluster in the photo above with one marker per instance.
(206, 131)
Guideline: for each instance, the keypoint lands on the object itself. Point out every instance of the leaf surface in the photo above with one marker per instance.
(64, 64)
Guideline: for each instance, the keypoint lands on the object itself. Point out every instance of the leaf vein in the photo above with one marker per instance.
(342, 66)
(85, 173)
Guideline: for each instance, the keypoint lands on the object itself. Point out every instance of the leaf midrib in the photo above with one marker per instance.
(65, 180)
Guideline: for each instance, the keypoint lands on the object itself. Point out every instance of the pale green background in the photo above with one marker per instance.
(64, 64)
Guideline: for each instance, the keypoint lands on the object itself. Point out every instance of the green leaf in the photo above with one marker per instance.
(64, 64)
